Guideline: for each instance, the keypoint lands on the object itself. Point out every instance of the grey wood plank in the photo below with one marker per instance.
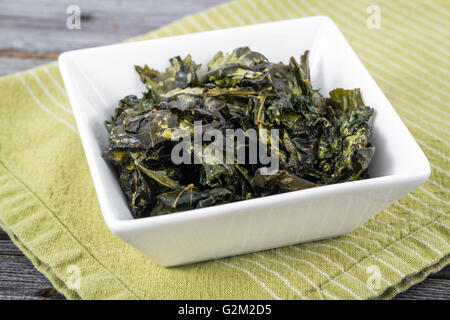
(7, 247)
(41, 25)
(443, 274)
(3, 235)
(19, 296)
(20, 280)
(429, 289)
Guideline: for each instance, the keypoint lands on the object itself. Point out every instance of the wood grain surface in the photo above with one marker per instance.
(33, 32)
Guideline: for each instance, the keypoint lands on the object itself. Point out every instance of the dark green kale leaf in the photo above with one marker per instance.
(180, 74)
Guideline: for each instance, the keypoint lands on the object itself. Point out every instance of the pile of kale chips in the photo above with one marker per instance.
(321, 140)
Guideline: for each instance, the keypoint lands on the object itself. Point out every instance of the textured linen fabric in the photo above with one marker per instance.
(49, 207)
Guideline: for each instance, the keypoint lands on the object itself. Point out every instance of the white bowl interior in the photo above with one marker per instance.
(98, 78)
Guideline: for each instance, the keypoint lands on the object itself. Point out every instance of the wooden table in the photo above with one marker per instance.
(34, 32)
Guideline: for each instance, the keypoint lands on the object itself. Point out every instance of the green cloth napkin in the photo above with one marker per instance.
(49, 207)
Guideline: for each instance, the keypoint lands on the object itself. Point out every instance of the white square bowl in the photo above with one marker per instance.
(96, 79)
